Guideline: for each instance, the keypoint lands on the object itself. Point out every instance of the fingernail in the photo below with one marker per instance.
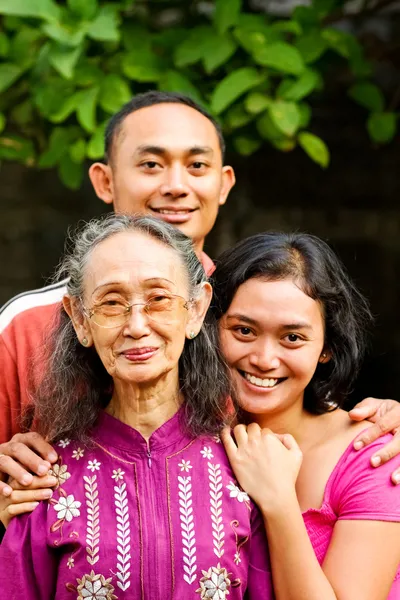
(27, 479)
(52, 456)
(358, 445)
(42, 470)
(35, 504)
(51, 481)
(7, 491)
(47, 493)
(376, 461)
(397, 478)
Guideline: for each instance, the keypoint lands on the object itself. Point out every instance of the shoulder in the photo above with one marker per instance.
(34, 300)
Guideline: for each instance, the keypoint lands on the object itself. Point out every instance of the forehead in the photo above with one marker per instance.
(275, 302)
(171, 126)
(133, 258)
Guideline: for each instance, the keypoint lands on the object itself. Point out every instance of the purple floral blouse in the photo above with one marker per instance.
(130, 520)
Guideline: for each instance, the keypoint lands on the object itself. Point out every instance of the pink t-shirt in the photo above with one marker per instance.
(356, 491)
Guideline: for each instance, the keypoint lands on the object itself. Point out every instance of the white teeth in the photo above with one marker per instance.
(267, 383)
(163, 211)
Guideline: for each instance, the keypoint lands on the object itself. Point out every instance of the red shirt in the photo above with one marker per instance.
(24, 322)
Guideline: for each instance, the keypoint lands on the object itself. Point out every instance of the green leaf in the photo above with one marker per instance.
(311, 46)
(22, 113)
(268, 130)
(67, 36)
(382, 126)
(287, 26)
(297, 90)
(368, 95)
(135, 36)
(338, 40)
(24, 47)
(64, 59)
(233, 86)
(86, 108)
(316, 149)
(173, 81)
(70, 172)
(282, 57)
(237, 117)
(286, 116)
(254, 40)
(58, 146)
(67, 107)
(2, 122)
(40, 9)
(226, 14)
(114, 93)
(246, 145)
(218, 51)
(193, 47)
(105, 27)
(87, 74)
(95, 146)
(50, 96)
(14, 147)
(306, 16)
(9, 73)
(142, 65)
(4, 45)
(305, 114)
(256, 102)
(77, 151)
(324, 7)
(86, 9)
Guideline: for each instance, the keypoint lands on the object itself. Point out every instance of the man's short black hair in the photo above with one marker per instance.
(152, 98)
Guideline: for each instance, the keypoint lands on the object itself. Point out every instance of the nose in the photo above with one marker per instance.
(265, 356)
(137, 325)
(175, 184)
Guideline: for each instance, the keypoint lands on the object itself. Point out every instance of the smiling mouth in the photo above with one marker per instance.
(168, 211)
(268, 382)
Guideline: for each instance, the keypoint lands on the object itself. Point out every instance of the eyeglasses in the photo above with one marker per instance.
(161, 309)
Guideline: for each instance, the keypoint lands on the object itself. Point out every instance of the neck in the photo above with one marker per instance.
(198, 246)
(145, 407)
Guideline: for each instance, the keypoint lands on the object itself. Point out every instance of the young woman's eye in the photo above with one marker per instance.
(293, 338)
(243, 330)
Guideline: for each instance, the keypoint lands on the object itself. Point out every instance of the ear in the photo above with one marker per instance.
(228, 181)
(102, 181)
(325, 356)
(197, 310)
(79, 321)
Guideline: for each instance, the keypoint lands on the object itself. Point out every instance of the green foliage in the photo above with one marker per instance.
(67, 65)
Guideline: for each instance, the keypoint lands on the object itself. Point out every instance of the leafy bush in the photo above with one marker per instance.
(67, 66)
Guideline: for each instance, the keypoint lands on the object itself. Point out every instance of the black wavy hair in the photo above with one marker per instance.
(319, 273)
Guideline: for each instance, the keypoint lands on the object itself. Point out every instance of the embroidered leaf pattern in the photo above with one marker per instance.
(123, 533)
(93, 519)
(187, 529)
(215, 484)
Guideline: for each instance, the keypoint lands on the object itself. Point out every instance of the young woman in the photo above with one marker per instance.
(292, 327)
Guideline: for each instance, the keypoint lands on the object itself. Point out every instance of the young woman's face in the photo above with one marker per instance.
(272, 336)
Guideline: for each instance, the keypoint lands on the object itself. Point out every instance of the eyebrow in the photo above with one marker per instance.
(160, 150)
(250, 321)
(124, 283)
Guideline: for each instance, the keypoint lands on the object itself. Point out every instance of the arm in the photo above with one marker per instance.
(267, 468)
(28, 567)
(25, 500)
(385, 414)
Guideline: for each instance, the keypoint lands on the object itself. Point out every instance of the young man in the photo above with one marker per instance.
(164, 157)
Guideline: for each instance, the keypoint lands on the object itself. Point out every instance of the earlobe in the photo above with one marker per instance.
(78, 321)
(101, 177)
(325, 357)
(228, 181)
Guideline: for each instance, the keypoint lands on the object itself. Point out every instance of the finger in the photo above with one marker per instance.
(253, 431)
(290, 443)
(383, 426)
(386, 453)
(47, 481)
(228, 442)
(22, 459)
(240, 433)
(5, 489)
(365, 409)
(396, 476)
(19, 509)
(37, 443)
(21, 496)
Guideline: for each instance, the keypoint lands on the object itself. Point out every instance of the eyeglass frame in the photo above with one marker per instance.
(89, 312)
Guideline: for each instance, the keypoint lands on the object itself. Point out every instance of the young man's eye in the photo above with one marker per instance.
(198, 165)
(150, 164)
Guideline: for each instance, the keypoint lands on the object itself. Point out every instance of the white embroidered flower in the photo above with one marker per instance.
(67, 508)
(93, 465)
(70, 562)
(217, 439)
(78, 453)
(237, 560)
(95, 587)
(214, 584)
(60, 473)
(235, 492)
(206, 452)
(118, 474)
(185, 465)
(64, 443)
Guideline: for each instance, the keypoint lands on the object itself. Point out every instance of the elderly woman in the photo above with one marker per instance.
(146, 504)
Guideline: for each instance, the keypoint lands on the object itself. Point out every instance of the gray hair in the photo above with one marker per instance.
(77, 386)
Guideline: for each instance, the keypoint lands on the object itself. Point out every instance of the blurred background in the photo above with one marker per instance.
(308, 94)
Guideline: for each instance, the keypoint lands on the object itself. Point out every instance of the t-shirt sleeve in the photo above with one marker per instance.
(10, 408)
(27, 563)
(259, 581)
(361, 491)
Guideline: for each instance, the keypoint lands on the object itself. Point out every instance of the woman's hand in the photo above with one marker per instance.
(266, 465)
(386, 416)
(25, 499)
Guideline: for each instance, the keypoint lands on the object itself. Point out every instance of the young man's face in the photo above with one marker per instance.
(166, 161)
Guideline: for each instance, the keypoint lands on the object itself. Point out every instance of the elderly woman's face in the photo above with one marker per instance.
(134, 269)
